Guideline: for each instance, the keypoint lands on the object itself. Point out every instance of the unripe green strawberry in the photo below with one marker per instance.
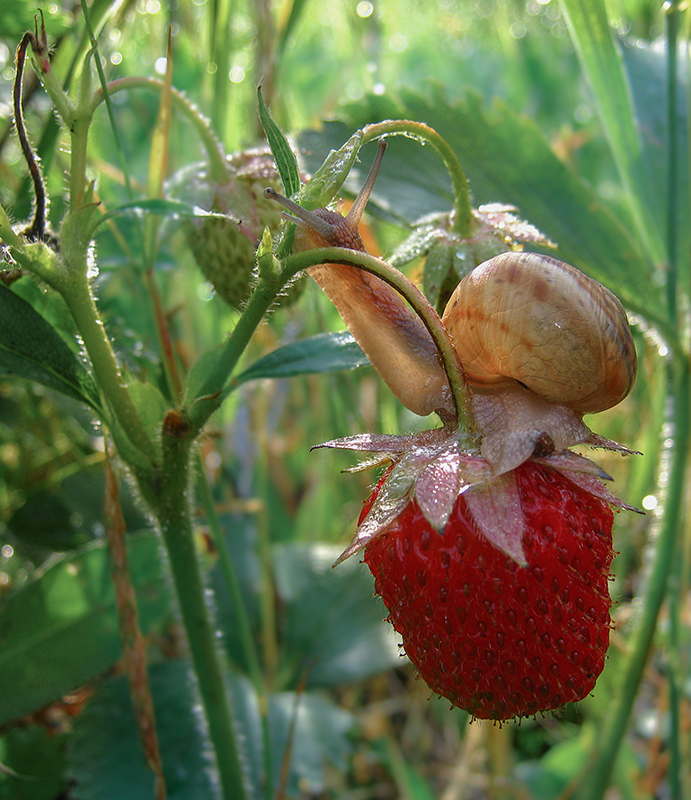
(223, 248)
(499, 638)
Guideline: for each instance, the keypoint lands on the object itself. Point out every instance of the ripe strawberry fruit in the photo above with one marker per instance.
(496, 638)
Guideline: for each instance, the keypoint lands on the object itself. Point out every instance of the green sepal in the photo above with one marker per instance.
(7, 233)
(283, 154)
(329, 178)
(151, 406)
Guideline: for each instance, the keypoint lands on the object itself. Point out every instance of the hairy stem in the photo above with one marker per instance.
(463, 212)
(174, 515)
(78, 296)
(214, 389)
(213, 147)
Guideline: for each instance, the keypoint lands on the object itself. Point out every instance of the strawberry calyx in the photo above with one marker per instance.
(435, 467)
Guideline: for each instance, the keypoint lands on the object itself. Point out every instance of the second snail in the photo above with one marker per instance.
(490, 541)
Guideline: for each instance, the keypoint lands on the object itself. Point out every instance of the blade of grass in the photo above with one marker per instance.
(220, 52)
(673, 11)
(602, 64)
(288, 23)
(672, 483)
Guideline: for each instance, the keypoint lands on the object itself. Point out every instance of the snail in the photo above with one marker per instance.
(389, 332)
(540, 343)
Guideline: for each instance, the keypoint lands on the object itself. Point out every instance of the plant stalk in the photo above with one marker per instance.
(77, 294)
(174, 515)
(215, 388)
(674, 463)
(214, 149)
(419, 303)
(463, 211)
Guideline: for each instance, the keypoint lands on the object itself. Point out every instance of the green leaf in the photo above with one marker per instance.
(325, 352)
(329, 176)
(36, 758)
(283, 154)
(331, 625)
(31, 348)
(106, 762)
(646, 67)
(320, 738)
(51, 306)
(60, 629)
(105, 758)
(332, 628)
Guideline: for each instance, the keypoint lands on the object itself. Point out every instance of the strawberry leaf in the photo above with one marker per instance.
(325, 352)
(31, 348)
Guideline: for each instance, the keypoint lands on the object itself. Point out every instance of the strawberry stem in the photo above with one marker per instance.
(214, 149)
(463, 211)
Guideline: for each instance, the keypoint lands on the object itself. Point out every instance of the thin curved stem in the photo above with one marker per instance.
(213, 147)
(463, 212)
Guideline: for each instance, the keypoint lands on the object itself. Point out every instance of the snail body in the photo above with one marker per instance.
(533, 319)
(389, 332)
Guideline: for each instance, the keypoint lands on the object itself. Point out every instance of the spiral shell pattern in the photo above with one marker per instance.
(530, 318)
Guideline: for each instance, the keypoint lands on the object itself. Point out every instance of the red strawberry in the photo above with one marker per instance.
(497, 638)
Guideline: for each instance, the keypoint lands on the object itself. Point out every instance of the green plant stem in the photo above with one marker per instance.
(214, 149)
(211, 395)
(463, 211)
(215, 387)
(230, 579)
(77, 294)
(79, 131)
(675, 465)
(174, 516)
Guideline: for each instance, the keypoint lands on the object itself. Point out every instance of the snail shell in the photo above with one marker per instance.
(530, 318)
